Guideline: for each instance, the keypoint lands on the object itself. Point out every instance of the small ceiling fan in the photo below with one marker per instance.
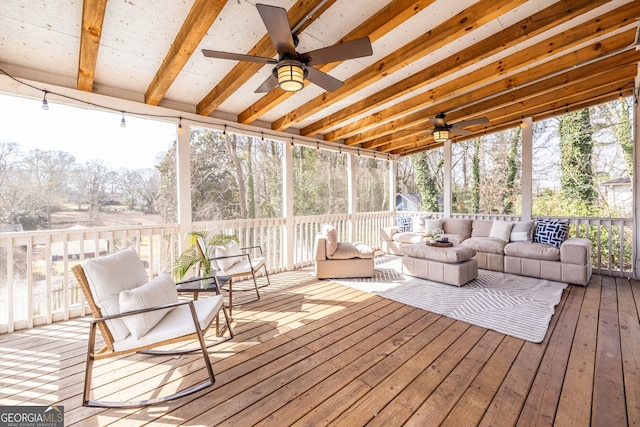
(291, 67)
(442, 130)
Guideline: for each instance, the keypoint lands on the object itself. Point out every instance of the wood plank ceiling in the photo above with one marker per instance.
(500, 59)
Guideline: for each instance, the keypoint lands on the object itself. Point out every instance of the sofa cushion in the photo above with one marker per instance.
(408, 237)
(532, 251)
(456, 239)
(481, 228)
(404, 223)
(551, 232)
(331, 235)
(522, 231)
(489, 245)
(158, 291)
(501, 230)
(447, 255)
(457, 226)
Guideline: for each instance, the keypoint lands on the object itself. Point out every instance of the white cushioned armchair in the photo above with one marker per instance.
(336, 260)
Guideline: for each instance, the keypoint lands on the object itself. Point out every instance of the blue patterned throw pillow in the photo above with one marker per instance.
(404, 223)
(551, 232)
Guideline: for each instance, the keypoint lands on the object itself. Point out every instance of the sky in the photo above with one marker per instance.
(86, 134)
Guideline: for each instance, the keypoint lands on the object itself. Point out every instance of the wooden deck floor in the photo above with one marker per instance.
(316, 353)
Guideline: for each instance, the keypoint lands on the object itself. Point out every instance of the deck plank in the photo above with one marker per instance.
(630, 345)
(313, 353)
(608, 387)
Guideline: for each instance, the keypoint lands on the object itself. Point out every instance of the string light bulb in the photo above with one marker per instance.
(262, 136)
(180, 130)
(45, 104)
(123, 122)
(224, 131)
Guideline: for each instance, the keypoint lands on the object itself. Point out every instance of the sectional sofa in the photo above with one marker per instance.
(531, 248)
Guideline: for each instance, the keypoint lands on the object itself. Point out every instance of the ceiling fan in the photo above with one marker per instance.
(442, 130)
(291, 67)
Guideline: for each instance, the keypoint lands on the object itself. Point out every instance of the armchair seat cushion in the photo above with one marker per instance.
(176, 323)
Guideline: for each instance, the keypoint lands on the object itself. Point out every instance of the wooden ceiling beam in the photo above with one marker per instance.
(565, 93)
(602, 25)
(557, 13)
(585, 54)
(385, 20)
(570, 98)
(202, 15)
(243, 71)
(92, 19)
(466, 21)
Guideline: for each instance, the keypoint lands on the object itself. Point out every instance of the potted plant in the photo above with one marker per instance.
(200, 252)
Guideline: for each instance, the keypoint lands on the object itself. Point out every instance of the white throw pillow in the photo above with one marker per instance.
(419, 224)
(229, 250)
(432, 224)
(501, 230)
(158, 291)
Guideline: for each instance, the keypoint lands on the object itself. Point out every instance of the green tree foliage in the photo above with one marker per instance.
(512, 171)
(578, 183)
(475, 174)
(372, 178)
(428, 170)
(319, 181)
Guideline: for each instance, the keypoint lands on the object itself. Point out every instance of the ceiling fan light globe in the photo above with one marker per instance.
(291, 77)
(441, 135)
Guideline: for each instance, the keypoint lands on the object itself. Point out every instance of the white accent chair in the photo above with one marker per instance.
(235, 261)
(135, 314)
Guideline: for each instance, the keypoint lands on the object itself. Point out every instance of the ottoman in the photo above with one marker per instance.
(451, 265)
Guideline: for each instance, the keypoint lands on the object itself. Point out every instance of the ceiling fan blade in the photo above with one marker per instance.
(478, 121)
(279, 29)
(268, 85)
(458, 131)
(339, 52)
(438, 122)
(237, 56)
(322, 79)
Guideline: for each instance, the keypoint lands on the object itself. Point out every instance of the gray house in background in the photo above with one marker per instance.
(618, 195)
(408, 202)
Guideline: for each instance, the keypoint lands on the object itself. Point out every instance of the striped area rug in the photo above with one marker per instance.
(513, 305)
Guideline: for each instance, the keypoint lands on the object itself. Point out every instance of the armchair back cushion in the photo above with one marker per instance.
(158, 291)
(331, 235)
(108, 276)
(230, 250)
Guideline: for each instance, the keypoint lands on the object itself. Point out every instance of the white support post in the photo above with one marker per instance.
(183, 184)
(393, 172)
(351, 196)
(636, 177)
(447, 179)
(527, 168)
(287, 206)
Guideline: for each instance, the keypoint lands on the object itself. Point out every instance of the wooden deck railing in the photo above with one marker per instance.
(36, 287)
